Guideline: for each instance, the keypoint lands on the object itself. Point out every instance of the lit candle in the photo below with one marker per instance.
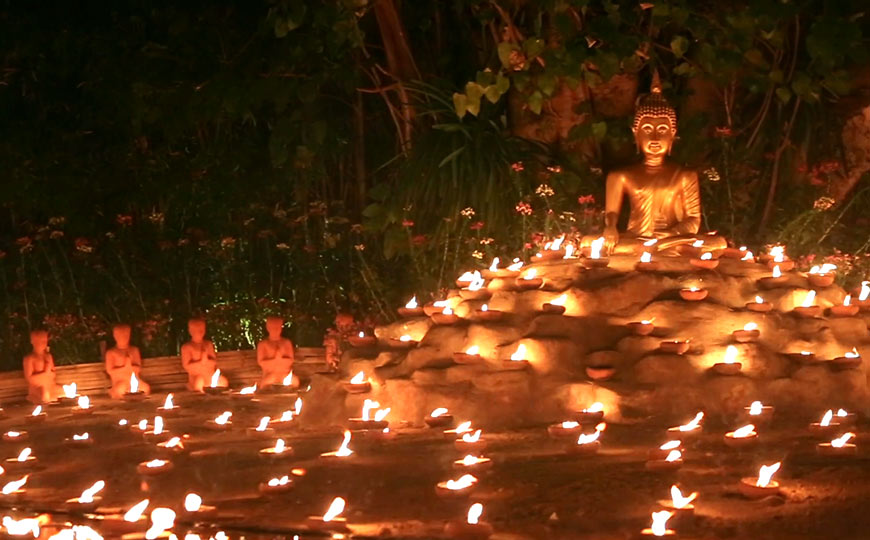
(567, 428)
(729, 364)
(672, 461)
(221, 423)
(358, 384)
(742, 437)
(849, 360)
(529, 280)
(362, 340)
(693, 294)
(646, 264)
(556, 306)
(462, 428)
(472, 463)
(343, 450)
(690, 428)
(411, 309)
(838, 447)
(759, 305)
(659, 526)
(472, 528)
(759, 413)
(439, 417)
(154, 467)
(276, 485)
(825, 425)
(763, 485)
(592, 414)
(471, 442)
(135, 513)
(807, 309)
(459, 487)
(331, 520)
(822, 276)
(88, 498)
(470, 356)
(642, 328)
(588, 443)
(748, 334)
(705, 261)
(517, 359)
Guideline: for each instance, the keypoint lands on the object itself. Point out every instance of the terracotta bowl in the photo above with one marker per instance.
(825, 449)
(365, 341)
(746, 336)
(600, 262)
(529, 284)
(465, 358)
(439, 421)
(411, 312)
(587, 449)
(354, 388)
(771, 282)
(552, 309)
(844, 311)
(759, 307)
(807, 312)
(445, 319)
(708, 264)
(674, 347)
(690, 295)
(640, 329)
(488, 315)
(749, 490)
(842, 363)
(723, 368)
(740, 442)
(399, 344)
(820, 280)
(479, 294)
(651, 266)
(600, 373)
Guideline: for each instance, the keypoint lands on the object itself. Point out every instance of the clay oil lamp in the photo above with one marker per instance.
(343, 450)
(674, 346)
(83, 406)
(759, 305)
(404, 342)
(642, 328)
(214, 387)
(822, 276)
(141, 426)
(529, 281)
(362, 340)
(245, 393)
(157, 432)
(517, 359)
(729, 364)
(595, 260)
(556, 306)
(136, 512)
(864, 295)
(282, 422)
(276, 485)
(122, 424)
(742, 437)
(846, 418)
(411, 309)
(566, 429)
(803, 357)
(570, 252)
(695, 250)
(705, 261)
(693, 294)
(659, 526)
(476, 289)
(588, 443)
(37, 416)
(458, 431)
(173, 445)
(69, 394)
(439, 417)
(154, 467)
(24, 527)
(470, 356)
(807, 310)
(735, 253)
(553, 250)
(592, 414)
(748, 257)
(838, 447)
(662, 451)
(262, 429)
(465, 279)
(24, 460)
(385, 434)
(471, 442)
(193, 505)
(748, 334)
(79, 440)
(680, 505)
(365, 421)
(600, 372)
(759, 413)
(221, 422)
(646, 264)
(168, 407)
(15, 436)
(763, 486)
(671, 462)
(693, 427)
(15, 487)
(162, 520)
(134, 393)
(460, 487)
(493, 271)
(826, 424)
(279, 451)
(777, 257)
(435, 307)
(846, 309)
(88, 500)
(358, 384)
(849, 360)
(331, 521)
(776, 279)
(446, 317)
(472, 463)
(487, 314)
(511, 271)
(470, 529)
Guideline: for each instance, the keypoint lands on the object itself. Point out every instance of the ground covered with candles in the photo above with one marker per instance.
(538, 485)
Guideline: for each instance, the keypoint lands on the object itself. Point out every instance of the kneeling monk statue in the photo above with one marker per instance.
(664, 198)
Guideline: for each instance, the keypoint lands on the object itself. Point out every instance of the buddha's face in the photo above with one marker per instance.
(39, 341)
(654, 135)
(121, 334)
(273, 326)
(196, 328)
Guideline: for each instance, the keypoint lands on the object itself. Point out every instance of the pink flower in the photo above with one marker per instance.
(476, 226)
(524, 208)
(407, 223)
(586, 199)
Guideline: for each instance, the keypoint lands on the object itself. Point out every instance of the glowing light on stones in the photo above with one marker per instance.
(135, 513)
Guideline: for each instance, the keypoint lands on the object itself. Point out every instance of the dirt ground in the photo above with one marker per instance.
(534, 490)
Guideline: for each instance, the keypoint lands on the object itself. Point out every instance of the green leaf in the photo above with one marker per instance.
(474, 91)
(777, 76)
(533, 47)
(536, 102)
(451, 156)
(683, 69)
(502, 83)
(599, 130)
(296, 16)
(280, 28)
(547, 83)
(784, 94)
(679, 46)
(460, 104)
(505, 49)
(492, 93)
(756, 57)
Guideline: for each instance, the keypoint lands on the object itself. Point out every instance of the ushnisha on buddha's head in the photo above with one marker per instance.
(655, 123)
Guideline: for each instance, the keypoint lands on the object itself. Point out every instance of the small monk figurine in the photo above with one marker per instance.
(275, 354)
(39, 370)
(199, 358)
(122, 360)
(664, 197)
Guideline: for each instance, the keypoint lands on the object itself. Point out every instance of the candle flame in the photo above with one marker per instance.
(848, 300)
(21, 527)
(464, 427)
(471, 437)
(706, 256)
(865, 291)
(192, 502)
(223, 418)
(264, 423)
(697, 243)
(556, 244)
(158, 425)
(731, 354)
(809, 299)
(776, 271)
(15, 485)
(595, 248)
(297, 406)
(161, 520)
(172, 443)
(841, 441)
(674, 455)
(748, 256)
(559, 300)
(570, 424)
(343, 450)
(381, 414)
(777, 252)
(651, 242)
(37, 410)
(585, 438)
(412, 303)
(646, 257)
(368, 405)
(84, 402)
(826, 419)
(335, 508)
(755, 408)
(647, 321)
(746, 431)
(693, 424)
(156, 463)
(750, 326)
(474, 513)
(530, 274)
(440, 411)
(494, 266)
(473, 350)
(248, 390)
(842, 413)
(659, 525)
(279, 447)
(826, 268)
(477, 282)
(484, 307)
(24, 454)
(594, 408)
(69, 390)
(678, 500)
(759, 300)
(133, 514)
(670, 445)
(404, 338)
(87, 495)
(465, 277)
(569, 251)
(463, 482)
(167, 403)
(83, 437)
(134, 383)
(359, 378)
(142, 425)
(853, 353)
(470, 460)
(13, 434)
(765, 473)
(275, 482)
(215, 378)
(362, 334)
(519, 354)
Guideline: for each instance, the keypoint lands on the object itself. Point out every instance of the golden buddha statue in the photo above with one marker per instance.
(664, 197)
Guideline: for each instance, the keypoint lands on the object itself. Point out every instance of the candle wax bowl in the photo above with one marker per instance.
(379, 434)
(821, 280)
(78, 411)
(529, 284)
(267, 433)
(357, 424)
(693, 295)
(674, 347)
(365, 341)
(552, 254)
(316, 523)
(759, 307)
(785, 265)
(445, 319)
(488, 315)
(818, 428)
(802, 358)
(135, 396)
(439, 421)
(476, 447)
(357, 388)
(844, 362)
(270, 453)
(648, 533)
(663, 465)
(723, 368)
(462, 530)
(587, 449)
(825, 449)
(552, 309)
(741, 442)
(144, 469)
(600, 373)
(266, 489)
(214, 426)
(514, 365)
(749, 490)
(658, 453)
(641, 329)
(746, 336)
(685, 512)
(484, 464)
(557, 431)
(149, 435)
(465, 358)
(706, 264)
(75, 506)
(399, 344)
(479, 294)
(807, 312)
(773, 282)
(162, 411)
(410, 312)
(36, 419)
(216, 390)
(444, 492)
(683, 435)
(844, 311)
(600, 262)
(22, 436)
(12, 464)
(588, 417)
(64, 401)
(651, 266)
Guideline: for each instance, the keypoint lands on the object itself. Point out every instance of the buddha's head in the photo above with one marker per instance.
(655, 122)
(39, 340)
(274, 325)
(121, 333)
(196, 329)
